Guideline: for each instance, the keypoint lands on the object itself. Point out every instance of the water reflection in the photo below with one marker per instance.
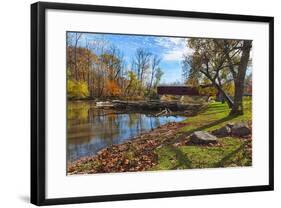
(90, 130)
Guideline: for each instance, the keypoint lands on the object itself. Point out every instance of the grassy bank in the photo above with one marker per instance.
(232, 152)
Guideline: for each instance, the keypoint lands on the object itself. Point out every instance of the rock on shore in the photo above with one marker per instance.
(203, 137)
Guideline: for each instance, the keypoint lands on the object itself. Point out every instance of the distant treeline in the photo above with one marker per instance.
(97, 69)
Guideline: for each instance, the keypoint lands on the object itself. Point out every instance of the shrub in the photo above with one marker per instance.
(77, 89)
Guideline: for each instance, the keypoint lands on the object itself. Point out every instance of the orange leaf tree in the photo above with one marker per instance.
(112, 88)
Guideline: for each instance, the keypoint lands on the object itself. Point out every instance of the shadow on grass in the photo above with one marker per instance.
(224, 160)
(210, 113)
(201, 128)
(183, 161)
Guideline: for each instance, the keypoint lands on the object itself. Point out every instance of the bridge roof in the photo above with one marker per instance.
(177, 90)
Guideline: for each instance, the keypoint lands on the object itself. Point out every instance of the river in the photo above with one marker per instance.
(90, 130)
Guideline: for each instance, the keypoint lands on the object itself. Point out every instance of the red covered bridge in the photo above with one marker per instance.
(177, 90)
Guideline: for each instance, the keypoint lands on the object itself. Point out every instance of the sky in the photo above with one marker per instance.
(169, 49)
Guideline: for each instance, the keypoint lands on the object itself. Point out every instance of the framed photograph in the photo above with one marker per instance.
(134, 103)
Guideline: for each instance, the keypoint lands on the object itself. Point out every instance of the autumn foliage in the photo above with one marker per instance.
(77, 89)
(112, 88)
(101, 67)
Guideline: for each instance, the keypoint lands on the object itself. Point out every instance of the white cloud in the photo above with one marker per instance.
(173, 55)
(178, 41)
(174, 48)
(176, 54)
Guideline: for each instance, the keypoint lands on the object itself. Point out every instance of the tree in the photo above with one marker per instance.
(112, 59)
(208, 60)
(154, 66)
(112, 88)
(158, 74)
(248, 85)
(90, 58)
(221, 61)
(101, 67)
(100, 72)
(76, 40)
(207, 89)
(141, 63)
(237, 108)
(133, 84)
(77, 89)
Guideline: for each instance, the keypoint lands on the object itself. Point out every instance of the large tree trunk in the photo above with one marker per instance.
(237, 108)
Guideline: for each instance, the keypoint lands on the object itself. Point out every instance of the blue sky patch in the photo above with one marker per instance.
(169, 49)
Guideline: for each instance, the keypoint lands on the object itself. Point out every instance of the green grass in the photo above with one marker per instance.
(231, 153)
(216, 116)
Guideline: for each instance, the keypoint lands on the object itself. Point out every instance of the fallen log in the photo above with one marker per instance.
(151, 106)
(164, 112)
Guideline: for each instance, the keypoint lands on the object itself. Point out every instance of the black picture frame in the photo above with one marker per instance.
(38, 102)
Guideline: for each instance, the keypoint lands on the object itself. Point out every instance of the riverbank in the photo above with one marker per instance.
(167, 147)
(153, 107)
(135, 155)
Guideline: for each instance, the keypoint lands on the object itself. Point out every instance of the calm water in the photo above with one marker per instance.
(90, 130)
